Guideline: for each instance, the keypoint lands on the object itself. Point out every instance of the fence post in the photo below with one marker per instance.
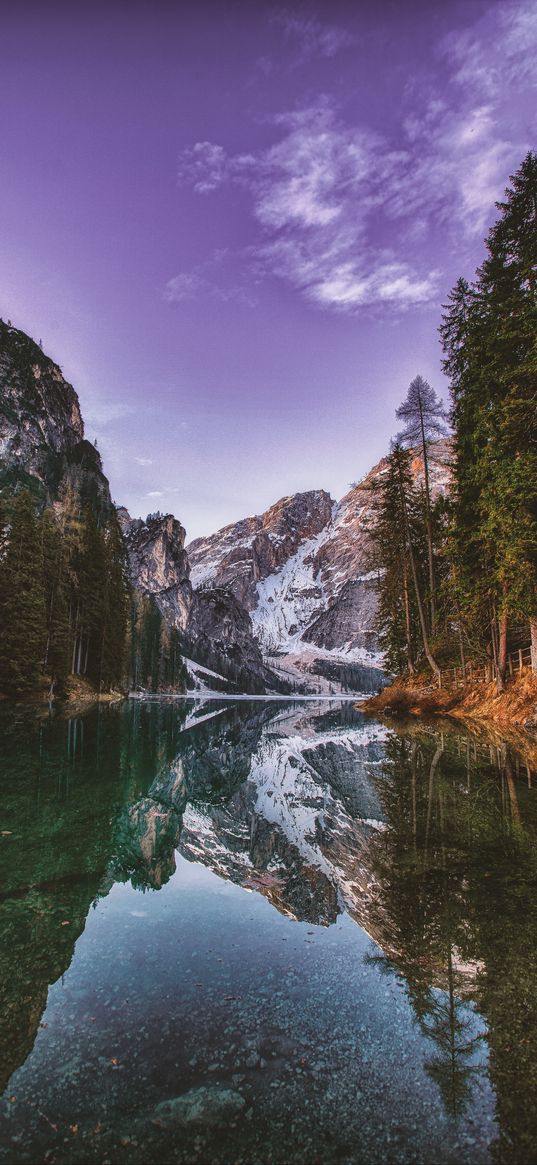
(520, 658)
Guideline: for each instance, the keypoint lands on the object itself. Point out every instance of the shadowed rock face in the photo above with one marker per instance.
(217, 629)
(350, 619)
(220, 632)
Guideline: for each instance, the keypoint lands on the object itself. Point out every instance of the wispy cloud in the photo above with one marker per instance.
(210, 280)
(309, 36)
(313, 193)
(343, 211)
(143, 460)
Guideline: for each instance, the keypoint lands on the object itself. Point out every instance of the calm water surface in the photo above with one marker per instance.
(265, 933)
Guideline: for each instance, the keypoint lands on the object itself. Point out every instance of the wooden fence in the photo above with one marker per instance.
(457, 676)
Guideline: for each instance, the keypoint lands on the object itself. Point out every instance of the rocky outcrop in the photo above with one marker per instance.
(158, 562)
(41, 429)
(349, 621)
(216, 629)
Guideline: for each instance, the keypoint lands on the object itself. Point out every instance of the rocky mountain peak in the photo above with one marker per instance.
(303, 568)
(244, 553)
(42, 441)
(39, 409)
(302, 515)
(158, 562)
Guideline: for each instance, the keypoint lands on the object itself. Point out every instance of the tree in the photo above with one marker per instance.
(22, 599)
(424, 419)
(489, 337)
(56, 590)
(398, 544)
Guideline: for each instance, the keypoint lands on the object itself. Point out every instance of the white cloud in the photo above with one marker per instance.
(143, 460)
(186, 285)
(203, 166)
(155, 493)
(344, 215)
(190, 285)
(393, 283)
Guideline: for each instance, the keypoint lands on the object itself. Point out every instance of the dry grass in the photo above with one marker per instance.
(81, 693)
(515, 707)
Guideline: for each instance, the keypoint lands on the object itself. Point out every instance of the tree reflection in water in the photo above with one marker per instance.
(456, 914)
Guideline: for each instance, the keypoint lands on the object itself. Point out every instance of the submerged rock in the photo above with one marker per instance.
(205, 1106)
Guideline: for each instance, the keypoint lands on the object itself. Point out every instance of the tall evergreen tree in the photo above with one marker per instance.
(398, 552)
(56, 589)
(424, 418)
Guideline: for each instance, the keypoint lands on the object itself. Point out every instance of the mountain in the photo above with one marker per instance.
(42, 444)
(215, 629)
(303, 569)
(158, 563)
(276, 599)
(43, 450)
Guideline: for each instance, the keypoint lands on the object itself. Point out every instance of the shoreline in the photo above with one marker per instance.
(477, 703)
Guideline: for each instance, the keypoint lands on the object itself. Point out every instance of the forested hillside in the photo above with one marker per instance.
(67, 606)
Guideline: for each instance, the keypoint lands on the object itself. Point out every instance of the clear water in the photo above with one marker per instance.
(264, 933)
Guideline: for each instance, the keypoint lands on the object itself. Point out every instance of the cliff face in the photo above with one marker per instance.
(42, 441)
(158, 562)
(219, 632)
(42, 447)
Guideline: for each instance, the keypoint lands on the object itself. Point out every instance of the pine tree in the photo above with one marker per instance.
(424, 419)
(398, 537)
(22, 599)
(489, 336)
(56, 590)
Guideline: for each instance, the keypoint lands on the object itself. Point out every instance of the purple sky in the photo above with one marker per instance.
(233, 226)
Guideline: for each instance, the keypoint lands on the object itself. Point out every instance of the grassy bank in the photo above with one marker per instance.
(515, 707)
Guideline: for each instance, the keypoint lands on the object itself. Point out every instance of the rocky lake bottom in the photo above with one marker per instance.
(265, 932)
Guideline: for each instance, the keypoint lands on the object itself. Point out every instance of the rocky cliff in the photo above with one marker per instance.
(245, 553)
(158, 563)
(42, 441)
(216, 630)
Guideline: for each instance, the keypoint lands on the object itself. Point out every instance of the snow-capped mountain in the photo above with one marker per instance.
(303, 569)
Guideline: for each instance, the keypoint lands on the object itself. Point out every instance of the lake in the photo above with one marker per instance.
(265, 932)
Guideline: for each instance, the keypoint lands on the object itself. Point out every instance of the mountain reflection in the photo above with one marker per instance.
(426, 838)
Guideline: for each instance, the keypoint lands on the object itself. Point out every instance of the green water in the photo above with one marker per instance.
(264, 933)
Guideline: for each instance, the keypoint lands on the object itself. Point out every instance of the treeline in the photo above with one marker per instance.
(458, 576)
(67, 607)
(156, 661)
(64, 595)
